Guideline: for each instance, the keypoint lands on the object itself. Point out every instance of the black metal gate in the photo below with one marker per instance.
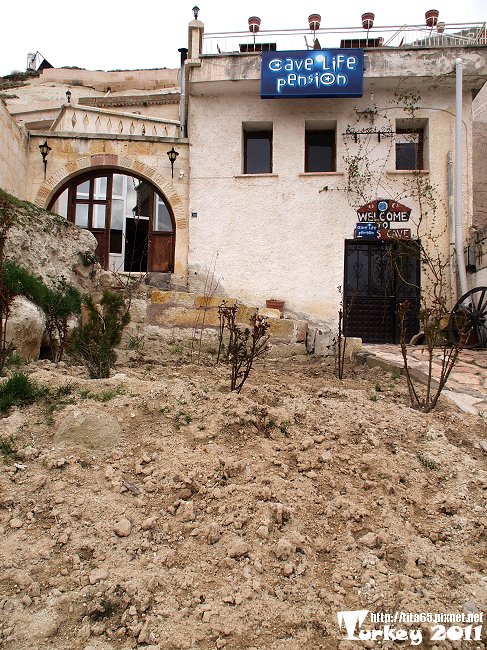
(379, 276)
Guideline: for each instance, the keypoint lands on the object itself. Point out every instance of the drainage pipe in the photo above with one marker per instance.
(182, 92)
(451, 219)
(462, 273)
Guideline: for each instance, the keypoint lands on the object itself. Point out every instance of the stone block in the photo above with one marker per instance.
(214, 301)
(310, 339)
(244, 314)
(161, 297)
(282, 329)
(353, 345)
(286, 350)
(174, 297)
(159, 280)
(178, 316)
(301, 331)
(324, 344)
(269, 313)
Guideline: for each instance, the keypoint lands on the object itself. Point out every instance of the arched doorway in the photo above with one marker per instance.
(130, 218)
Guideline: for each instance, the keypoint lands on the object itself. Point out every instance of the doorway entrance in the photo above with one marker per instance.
(379, 277)
(130, 219)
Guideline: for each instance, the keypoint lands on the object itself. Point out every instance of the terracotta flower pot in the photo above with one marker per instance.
(368, 20)
(254, 24)
(275, 304)
(314, 21)
(431, 17)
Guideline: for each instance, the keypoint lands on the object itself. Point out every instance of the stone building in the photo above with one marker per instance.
(277, 177)
(303, 159)
(107, 166)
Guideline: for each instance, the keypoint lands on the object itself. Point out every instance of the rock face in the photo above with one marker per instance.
(25, 328)
(90, 429)
(50, 246)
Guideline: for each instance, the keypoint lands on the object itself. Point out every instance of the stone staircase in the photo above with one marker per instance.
(182, 310)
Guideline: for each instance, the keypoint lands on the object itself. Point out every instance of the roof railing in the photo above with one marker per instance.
(402, 36)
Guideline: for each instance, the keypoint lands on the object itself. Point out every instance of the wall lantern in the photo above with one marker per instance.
(68, 96)
(44, 149)
(431, 17)
(196, 11)
(172, 155)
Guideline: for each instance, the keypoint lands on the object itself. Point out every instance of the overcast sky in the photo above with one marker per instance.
(107, 35)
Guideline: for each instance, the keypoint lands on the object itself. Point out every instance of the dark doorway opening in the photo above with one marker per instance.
(379, 277)
(136, 235)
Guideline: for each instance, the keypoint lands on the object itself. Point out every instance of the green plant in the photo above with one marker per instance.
(58, 398)
(88, 258)
(14, 360)
(104, 396)
(283, 428)
(183, 419)
(7, 220)
(8, 449)
(59, 303)
(93, 342)
(62, 302)
(246, 345)
(136, 342)
(19, 390)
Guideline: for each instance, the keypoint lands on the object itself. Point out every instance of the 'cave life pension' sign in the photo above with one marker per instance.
(312, 73)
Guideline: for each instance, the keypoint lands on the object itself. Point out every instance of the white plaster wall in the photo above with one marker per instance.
(13, 154)
(278, 236)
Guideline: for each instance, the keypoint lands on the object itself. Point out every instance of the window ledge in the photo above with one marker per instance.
(322, 174)
(266, 175)
(402, 172)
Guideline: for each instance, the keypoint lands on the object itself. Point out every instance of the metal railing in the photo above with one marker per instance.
(405, 36)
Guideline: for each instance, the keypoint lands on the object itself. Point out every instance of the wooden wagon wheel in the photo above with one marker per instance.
(468, 319)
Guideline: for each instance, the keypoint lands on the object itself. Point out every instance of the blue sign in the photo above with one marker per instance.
(312, 73)
(366, 231)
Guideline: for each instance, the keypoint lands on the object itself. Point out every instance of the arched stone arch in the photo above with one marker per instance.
(126, 164)
(112, 161)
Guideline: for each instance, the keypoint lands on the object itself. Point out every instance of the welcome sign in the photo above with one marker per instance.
(312, 73)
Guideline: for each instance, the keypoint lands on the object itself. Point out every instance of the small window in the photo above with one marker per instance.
(257, 152)
(320, 153)
(409, 148)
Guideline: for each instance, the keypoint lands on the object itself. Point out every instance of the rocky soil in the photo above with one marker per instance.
(156, 509)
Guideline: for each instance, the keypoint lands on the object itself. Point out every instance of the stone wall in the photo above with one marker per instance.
(13, 154)
(114, 81)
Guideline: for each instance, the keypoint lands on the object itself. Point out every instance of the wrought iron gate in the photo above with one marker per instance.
(379, 276)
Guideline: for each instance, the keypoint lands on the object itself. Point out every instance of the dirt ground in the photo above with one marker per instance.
(156, 509)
